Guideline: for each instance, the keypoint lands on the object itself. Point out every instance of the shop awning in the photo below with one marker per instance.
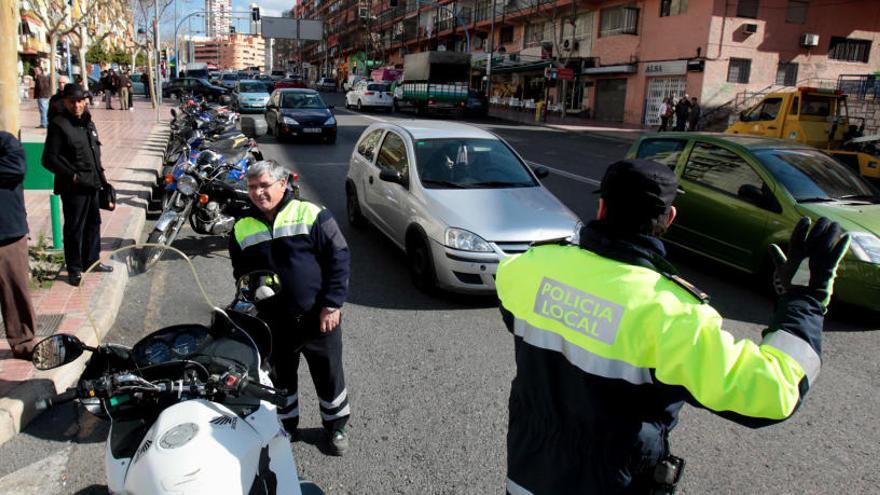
(611, 69)
(522, 67)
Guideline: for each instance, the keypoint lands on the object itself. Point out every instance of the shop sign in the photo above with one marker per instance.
(565, 74)
(668, 68)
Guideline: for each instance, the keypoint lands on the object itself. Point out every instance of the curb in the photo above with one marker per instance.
(18, 408)
(592, 133)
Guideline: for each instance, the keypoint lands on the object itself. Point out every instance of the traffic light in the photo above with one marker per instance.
(231, 29)
(255, 13)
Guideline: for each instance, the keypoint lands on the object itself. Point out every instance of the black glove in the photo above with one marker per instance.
(824, 248)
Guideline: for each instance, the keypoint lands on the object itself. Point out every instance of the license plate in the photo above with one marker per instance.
(312, 130)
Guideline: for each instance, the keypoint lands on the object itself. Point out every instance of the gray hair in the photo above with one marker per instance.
(271, 167)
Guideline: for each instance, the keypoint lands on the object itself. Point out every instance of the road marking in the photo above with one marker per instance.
(45, 476)
(157, 290)
(569, 175)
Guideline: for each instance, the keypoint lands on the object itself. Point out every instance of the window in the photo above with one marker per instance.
(767, 110)
(738, 70)
(786, 74)
(673, 7)
(618, 20)
(367, 146)
(747, 8)
(392, 154)
(720, 169)
(848, 49)
(665, 151)
(506, 35)
(469, 164)
(817, 106)
(535, 33)
(797, 11)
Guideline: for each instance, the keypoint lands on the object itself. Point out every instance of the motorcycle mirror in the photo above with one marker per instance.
(258, 286)
(174, 113)
(56, 351)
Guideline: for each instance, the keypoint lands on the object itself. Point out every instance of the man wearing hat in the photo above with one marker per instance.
(73, 154)
(610, 343)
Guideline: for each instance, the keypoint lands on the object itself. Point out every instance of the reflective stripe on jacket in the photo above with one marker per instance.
(607, 351)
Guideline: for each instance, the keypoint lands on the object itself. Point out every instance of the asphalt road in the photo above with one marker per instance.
(428, 377)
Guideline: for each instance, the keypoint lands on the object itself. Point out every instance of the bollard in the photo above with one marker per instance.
(55, 210)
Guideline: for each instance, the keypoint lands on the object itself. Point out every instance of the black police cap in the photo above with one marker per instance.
(639, 186)
(72, 90)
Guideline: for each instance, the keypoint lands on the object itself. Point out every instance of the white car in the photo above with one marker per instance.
(455, 198)
(369, 94)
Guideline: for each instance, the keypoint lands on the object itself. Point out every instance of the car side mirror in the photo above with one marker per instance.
(331, 107)
(755, 195)
(541, 171)
(56, 351)
(391, 175)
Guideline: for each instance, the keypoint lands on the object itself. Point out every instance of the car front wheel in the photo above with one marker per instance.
(421, 264)
(353, 209)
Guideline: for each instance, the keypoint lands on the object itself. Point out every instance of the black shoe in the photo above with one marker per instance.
(74, 279)
(102, 268)
(338, 442)
(290, 427)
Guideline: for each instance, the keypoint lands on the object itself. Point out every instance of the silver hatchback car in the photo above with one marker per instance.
(457, 199)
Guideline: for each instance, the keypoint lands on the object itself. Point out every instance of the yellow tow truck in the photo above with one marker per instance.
(817, 117)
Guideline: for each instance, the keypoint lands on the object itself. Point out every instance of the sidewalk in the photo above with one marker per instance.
(131, 152)
(617, 131)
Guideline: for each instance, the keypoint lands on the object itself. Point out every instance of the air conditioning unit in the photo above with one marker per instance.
(809, 39)
(750, 28)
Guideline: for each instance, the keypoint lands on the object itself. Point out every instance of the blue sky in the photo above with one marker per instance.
(267, 7)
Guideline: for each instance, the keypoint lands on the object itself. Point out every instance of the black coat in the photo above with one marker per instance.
(13, 218)
(73, 149)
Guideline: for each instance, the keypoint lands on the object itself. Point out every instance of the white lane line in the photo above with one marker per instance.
(565, 174)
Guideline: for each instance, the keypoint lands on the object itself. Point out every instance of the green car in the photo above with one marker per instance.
(744, 192)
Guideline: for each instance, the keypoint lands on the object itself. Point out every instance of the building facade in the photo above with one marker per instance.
(234, 52)
(217, 17)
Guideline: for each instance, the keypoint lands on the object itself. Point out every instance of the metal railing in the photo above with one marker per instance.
(860, 86)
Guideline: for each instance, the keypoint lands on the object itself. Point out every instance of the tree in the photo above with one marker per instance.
(113, 23)
(97, 55)
(144, 19)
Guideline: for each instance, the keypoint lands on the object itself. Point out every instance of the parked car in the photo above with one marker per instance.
(278, 75)
(369, 94)
(350, 81)
(296, 112)
(250, 95)
(292, 82)
(326, 84)
(743, 193)
(137, 84)
(200, 87)
(477, 104)
(228, 80)
(455, 198)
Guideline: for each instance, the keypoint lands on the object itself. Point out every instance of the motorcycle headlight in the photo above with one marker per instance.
(290, 121)
(330, 121)
(865, 247)
(466, 241)
(187, 185)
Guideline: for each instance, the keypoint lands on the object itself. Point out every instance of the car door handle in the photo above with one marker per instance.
(371, 179)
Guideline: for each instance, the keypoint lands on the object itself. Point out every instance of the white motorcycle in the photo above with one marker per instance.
(191, 409)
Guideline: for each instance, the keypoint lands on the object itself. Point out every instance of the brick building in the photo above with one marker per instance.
(234, 52)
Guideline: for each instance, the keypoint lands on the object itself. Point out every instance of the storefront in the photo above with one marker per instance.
(609, 99)
(664, 79)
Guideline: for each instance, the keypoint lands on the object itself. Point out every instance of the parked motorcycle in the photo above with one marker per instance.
(191, 407)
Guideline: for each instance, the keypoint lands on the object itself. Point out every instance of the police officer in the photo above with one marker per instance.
(302, 243)
(610, 343)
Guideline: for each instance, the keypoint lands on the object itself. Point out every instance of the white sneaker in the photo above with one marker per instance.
(131, 109)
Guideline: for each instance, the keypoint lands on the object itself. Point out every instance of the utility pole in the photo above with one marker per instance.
(158, 59)
(8, 70)
(491, 51)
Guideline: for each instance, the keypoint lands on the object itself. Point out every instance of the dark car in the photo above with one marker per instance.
(295, 112)
(477, 104)
(198, 87)
(290, 82)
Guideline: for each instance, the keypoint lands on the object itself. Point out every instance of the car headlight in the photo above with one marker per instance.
(865, 247)
(575, 237)
(187, 185)
(466, 241)
(290, 121)
(330, 121)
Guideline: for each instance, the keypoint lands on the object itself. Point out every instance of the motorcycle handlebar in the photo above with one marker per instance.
(277, 397)
(66, 396)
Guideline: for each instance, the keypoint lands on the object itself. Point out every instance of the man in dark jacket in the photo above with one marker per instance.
(15, 300)
(302, 243)
(73, 154)
(682, 108)
(610, 343)
(42, 92)
(56, 103)
(694, 115)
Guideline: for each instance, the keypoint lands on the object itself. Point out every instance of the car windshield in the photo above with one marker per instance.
(469, 164)
(377, 87)
(230, 77)
(302, 100)
(813, 176)
(252, 87)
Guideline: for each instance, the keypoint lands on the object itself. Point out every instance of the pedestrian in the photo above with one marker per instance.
(107, 87)
(15, 300)
(610, 343)
(42, 92)
(56, 103)
(147, 87)
(694, 115)
(124, 89)
(664, 112)
(302, 243)
(682, 108)
(130, 91)
(73, 153)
